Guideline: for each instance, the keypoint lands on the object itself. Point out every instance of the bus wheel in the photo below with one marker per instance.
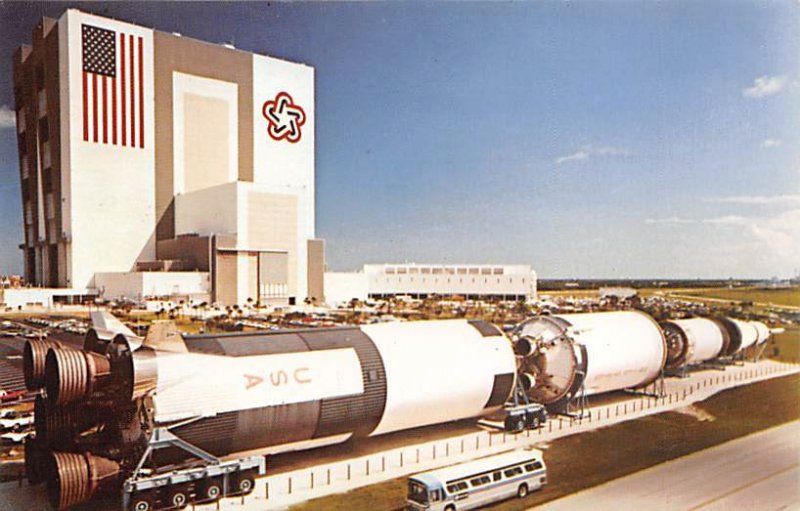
(143, 501)
(522, 491)
(451, 507)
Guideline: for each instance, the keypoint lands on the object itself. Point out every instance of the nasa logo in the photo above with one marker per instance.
(279, 377)
(284, 118)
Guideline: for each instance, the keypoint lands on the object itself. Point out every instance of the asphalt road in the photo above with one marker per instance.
(757, 472)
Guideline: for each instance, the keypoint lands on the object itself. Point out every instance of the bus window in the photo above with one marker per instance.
(417, 492)
(479, 481)
(530, 467)
(436, 495)
(456, 487)
(496, 476)
(511, 472)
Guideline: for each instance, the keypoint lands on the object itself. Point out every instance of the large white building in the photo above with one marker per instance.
(144, 151)
(493, 281)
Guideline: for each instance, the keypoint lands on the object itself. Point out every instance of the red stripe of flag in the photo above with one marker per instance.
(85, 108)
(141, 94)
(105, 110)
(94, 107)
(122, 89)
(133, 101)
(114, 111)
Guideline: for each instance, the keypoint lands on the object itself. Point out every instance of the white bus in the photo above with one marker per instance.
(477, 483)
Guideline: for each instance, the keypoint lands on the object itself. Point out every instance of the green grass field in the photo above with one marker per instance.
(785, 346)
(781, 296)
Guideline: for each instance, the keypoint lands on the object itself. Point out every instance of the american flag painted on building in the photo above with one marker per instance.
(113, 87)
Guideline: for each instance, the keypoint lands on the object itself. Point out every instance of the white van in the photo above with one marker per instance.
(477, 483)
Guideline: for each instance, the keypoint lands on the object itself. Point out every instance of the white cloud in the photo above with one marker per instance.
(777, 236)
(669, 220)
(588, 151)
(8, 119)
(771, 142)
(757, 199)
(578, 156)
(765, 86)
(726, 220)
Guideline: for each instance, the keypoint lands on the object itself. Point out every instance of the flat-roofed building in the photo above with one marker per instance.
(142, 150)
(471, 281)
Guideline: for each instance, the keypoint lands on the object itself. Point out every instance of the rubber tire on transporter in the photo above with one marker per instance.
(209, 491)
(522, 491)
(176, 497)
(243, 483)
(144, 501)
(514, 424)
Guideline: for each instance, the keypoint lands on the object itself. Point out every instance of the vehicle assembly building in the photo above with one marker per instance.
(154, 164)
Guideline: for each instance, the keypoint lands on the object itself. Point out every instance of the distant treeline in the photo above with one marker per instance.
(566, 284)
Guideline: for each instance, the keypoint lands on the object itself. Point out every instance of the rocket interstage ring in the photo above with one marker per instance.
(591, 353)
(734, 336)
(677, 344)
(703, 339)
(725, 332)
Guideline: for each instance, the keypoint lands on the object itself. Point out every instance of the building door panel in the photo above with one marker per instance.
(273, 273)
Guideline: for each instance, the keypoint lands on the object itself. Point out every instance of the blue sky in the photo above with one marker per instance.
(588, 139)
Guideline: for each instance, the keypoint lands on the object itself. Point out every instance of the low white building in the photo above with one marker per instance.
(138, 285)
(27, 297)
(472, 281)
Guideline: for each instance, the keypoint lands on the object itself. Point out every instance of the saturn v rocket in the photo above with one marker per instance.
(230, 393)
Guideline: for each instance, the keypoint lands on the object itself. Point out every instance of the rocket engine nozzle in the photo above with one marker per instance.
(525, 346)
(72, 375)
(34, 355)
(74, 478)
(58, 425)
(528, 381)
(35, 456)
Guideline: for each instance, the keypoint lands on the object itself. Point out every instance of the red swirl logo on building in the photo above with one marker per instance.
(284, 118)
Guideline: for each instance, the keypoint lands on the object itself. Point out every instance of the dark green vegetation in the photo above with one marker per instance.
(582, 461)
(785, 346)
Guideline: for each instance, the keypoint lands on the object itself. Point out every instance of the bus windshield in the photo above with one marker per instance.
(417, 492)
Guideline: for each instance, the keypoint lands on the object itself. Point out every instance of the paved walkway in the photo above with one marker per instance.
(757, 472)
